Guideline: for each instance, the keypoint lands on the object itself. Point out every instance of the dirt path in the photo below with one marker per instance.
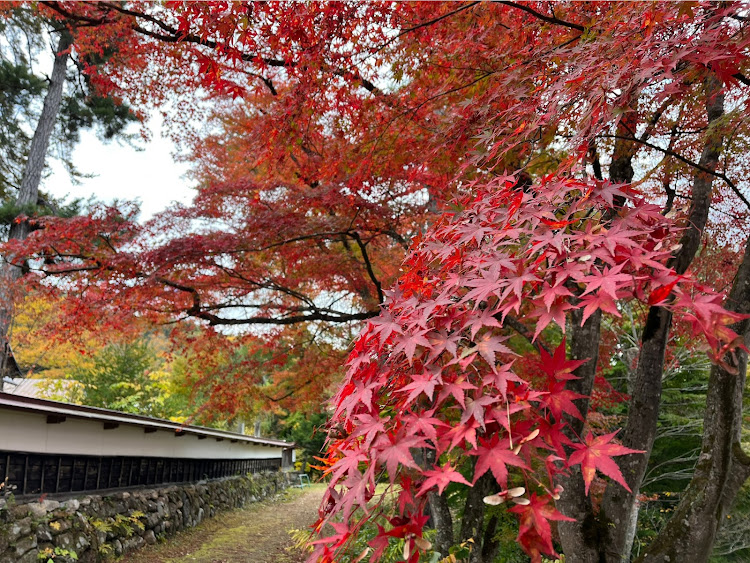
(257, 534)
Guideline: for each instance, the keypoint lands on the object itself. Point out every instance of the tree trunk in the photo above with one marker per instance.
(690, 533)
(580, 539)
(472, 520)
(583, 539)
(28, 193)
(490, 546)
(619, 506)
(440, 512)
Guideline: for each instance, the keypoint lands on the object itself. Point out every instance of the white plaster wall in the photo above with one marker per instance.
(29, 432)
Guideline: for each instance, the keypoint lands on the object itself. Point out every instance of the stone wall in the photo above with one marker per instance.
(100, 527)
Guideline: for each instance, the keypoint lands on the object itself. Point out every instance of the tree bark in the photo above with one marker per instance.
(490, 546)
(28, 193)
(583, 539)
(691, 532)
(440, 512)
(618, 505)
(580, 539)
(472, 520)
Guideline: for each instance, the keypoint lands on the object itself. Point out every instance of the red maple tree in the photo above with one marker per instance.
(352, 127)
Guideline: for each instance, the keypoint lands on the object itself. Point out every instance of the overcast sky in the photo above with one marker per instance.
(121, 172)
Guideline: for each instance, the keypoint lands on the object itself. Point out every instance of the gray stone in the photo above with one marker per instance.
(72, 505)
(65, 541)
(31, 556)
(37, 510)
(19, 528)
(106, 511)
(117, 544)
(50, 505)
(81, 543)
(152, 520)
(43, 534)
(25, 544)
(130, 544)
(149, 537)
(18, 512)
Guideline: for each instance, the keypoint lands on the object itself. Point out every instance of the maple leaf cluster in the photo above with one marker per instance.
(438, 369)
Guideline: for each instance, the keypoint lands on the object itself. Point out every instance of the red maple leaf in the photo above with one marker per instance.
(475, 408)
(456, 388)
(659, 294)
(560, 400)
(441, 477)
(393, 450)
(534, 532)
(609, 281)
(421, 383)
(556, 313)
(556, 365)
(598, 300)
(596, 453)
(495, 454)
(489, 345)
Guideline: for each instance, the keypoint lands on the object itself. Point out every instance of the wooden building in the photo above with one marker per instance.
(49, 447)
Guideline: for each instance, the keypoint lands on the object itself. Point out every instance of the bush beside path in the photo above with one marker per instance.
(258, 533)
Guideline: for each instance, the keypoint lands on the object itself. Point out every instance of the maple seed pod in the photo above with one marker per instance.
(422, 544)
(556, 492)
(517, 449)
(362, 555)
(494, 500)
(407, 549)
(521, 500)
(530, 437)
(515, 492)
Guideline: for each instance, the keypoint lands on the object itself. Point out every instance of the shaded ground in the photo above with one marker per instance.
(258, 534)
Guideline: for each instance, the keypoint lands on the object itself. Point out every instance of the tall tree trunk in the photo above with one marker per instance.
(690, 533)
(490, 545)
(472, 520)
(618, 506)
(440, 512)
(29, 190)
(582, 540)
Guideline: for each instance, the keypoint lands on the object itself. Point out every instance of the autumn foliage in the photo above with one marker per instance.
(548, 166)
(439, 368)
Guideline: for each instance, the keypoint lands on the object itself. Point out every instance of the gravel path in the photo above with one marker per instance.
(257, 534)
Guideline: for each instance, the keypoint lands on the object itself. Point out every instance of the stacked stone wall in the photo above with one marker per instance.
(100, 527)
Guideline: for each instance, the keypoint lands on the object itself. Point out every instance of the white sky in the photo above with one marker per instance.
(150, 176)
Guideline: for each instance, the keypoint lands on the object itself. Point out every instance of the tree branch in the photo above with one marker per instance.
(538, 15)
(368, 266)
(721, 175)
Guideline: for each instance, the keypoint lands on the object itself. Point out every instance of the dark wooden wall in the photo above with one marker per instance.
(37, 474)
